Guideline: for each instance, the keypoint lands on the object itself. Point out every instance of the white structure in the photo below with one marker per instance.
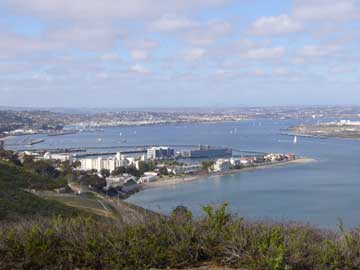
(275, 157)
(160, 153)
(148, 177)
(222, 165)
(99, 164)
(187, 169)
(61, 157)
(110, 163)
(118, 181)
(235, 161)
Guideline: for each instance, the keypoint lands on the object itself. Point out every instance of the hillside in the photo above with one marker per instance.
(25, 194)
(17, 203)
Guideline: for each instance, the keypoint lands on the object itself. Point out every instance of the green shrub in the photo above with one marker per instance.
(175, 242)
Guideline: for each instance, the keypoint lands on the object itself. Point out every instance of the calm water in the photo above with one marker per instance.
(319, 193)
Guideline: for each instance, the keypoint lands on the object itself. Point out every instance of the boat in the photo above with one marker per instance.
(295, 139)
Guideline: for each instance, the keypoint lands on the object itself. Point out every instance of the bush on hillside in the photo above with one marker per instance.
(84, 243)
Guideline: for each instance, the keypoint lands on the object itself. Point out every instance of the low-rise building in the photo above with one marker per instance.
(275, 157)
(148, 177)
(221, 165)
(117, 181)
(60, 157)
(186, 169)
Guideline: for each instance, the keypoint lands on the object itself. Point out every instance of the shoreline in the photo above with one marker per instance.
(6, 138)
(328, 136)
(170, 181)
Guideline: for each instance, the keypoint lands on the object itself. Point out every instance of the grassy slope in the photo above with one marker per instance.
(16, 203)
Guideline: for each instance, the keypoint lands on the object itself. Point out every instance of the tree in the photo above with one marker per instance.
(206, 165)
(105, 173)
(146, 166)
(44, 168)
(93, 181)
(163, 171)
(130, 170)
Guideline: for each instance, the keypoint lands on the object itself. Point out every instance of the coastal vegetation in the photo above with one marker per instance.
(178, 241)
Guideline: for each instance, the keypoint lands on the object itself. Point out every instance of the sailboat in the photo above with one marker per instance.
(295, 139)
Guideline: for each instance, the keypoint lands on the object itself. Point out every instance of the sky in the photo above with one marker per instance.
(179, 53)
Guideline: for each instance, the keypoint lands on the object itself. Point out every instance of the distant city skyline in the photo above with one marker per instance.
(179, 53)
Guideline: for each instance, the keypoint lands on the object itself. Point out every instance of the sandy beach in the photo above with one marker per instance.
(175, 180)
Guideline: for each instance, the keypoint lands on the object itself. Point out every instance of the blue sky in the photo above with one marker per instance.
(163, 53)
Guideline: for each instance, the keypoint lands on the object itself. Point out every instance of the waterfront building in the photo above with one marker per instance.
(235, 161)
(275, 157)
(60, 157)
(160, 153)
(149, 177)
(222, 165)
(205, 151)
(117, 182)
(187, 169)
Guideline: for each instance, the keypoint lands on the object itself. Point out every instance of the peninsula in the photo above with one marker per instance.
(344, 129)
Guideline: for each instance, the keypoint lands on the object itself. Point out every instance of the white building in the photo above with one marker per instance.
(118, 181)
(149, 177)
(222, 165)
(61, 157)
(99, 164)
(110, 164)
(187, 169)
(235, 161)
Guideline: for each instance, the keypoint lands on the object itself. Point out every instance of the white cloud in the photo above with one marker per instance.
(342, 69)
(107, 57)
(170, 23)
(194, 54)
(84, 36)
(280, 71)
(102, 75)
(333, 10)
(208, 33)
(137, 68)
(318, 51)
(107, 9)
(139, 54)
(258, 72)
(282, 24)
(264, 53)
(140, 50)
